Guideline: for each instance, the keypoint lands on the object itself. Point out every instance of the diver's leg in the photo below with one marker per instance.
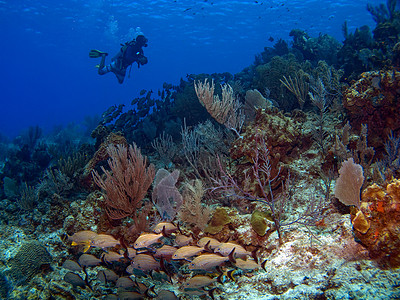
(120, 77)
(120, 74)
(116, 68)
(103, 70)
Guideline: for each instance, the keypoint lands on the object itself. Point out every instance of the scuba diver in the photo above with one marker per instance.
(130, 52)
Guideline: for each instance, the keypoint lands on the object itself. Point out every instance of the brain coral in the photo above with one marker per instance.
(29, 261)
(375, 100)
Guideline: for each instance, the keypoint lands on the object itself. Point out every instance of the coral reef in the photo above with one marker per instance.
(268, 75)
(245, 216)
(374, 100)
(282, 134)
(101, 153)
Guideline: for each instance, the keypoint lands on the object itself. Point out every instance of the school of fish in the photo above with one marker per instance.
(197, 267)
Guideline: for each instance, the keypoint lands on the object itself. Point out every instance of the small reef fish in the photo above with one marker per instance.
(71, 265)
(247, 265)
(207, 261)
(145, 263)
(74, 279)
(126, 295)
(195, 292)
(142, 288)
(198, 281)
(166, 252)
(88, 260)
(166, 227)
(104, 241)
(111, 256)
(226, 248)
(131, 252)
(147, 239)
(166, 295)
(183, 240)
(107, 275)
(82, 238)
(186, 252)
(125, 282)
(228, 274)
(208, 242)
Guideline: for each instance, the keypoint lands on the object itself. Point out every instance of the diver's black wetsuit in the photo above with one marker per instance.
(131, 52)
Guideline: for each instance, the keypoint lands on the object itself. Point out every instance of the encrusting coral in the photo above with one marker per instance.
(377, 223)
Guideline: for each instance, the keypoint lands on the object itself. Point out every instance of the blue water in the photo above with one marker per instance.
(48, 79)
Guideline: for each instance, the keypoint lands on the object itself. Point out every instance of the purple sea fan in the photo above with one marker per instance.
(166, 196)
(349, 183)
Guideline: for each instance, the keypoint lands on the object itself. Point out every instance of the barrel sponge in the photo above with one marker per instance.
(32, 258)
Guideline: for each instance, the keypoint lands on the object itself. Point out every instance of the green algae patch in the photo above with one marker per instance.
(260, 221)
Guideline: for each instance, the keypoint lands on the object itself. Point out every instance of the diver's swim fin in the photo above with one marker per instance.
(96, 53)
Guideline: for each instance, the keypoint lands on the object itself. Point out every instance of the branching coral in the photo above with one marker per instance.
(127, 183)
(257, 186)
(225, 110)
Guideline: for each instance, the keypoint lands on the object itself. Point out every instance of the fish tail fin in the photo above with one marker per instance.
(232, 256)
(254, 254)
(263, 265)
(164, 232)
(150, 292)
(220, 278)
(230, 274)
(86, 247)
(87, 278)
(164, 268)
(179, 227)
(207, 247)
(211, 293)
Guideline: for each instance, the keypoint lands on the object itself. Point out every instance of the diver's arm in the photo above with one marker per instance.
(141, 60)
